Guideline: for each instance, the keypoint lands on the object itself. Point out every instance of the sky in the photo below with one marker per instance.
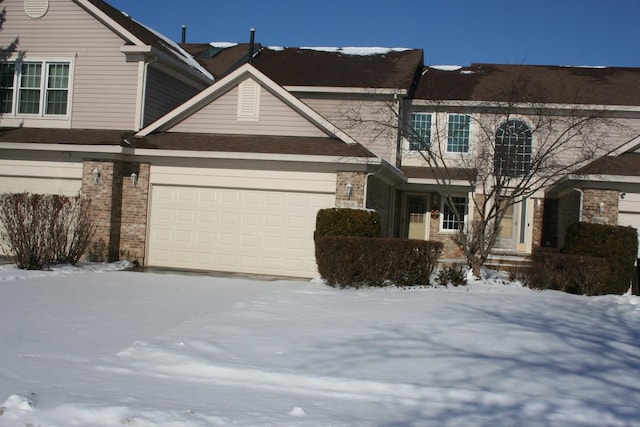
(461, 32)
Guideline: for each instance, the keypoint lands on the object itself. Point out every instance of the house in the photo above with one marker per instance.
(218, 156)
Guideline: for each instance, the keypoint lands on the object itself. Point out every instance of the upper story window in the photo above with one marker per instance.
(458, 133)
(513, 149)
(420, 132)
(451, 221)
(34, 88)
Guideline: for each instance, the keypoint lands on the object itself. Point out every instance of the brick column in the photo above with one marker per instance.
(356, 179)
(135, 199)
(600, 206)
(106, 202)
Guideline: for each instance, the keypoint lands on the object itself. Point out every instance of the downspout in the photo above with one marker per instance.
(581, 202)
(143, 93)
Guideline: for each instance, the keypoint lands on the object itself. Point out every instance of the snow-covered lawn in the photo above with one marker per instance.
(91, 347)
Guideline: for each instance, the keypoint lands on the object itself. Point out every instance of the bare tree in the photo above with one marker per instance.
(520, 145)
(6, 51)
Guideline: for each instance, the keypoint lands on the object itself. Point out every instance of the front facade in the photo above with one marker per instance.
(218, 157)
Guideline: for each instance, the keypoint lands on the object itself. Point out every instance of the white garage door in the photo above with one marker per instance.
(630, 212)
(235, 230)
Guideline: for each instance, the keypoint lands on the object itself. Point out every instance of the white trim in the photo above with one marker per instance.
(522, 105)
(446, 136)
(626, 179)
(629, 146)
(335, 89)
(120, 30)
(221, 86)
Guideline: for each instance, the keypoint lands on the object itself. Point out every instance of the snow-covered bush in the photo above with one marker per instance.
(40, 230)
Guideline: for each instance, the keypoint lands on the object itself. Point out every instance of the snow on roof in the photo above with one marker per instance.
(223, 45)
(276, 48)
(360, 51)
(446, 67)
(180, 53)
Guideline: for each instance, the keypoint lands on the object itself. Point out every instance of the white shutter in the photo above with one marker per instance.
(249, 100)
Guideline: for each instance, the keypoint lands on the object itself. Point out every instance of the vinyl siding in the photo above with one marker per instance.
(163, 94)
(343, 113)
(104, 84)
(276, 118)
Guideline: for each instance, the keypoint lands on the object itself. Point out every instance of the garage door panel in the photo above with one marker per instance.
(252, 231)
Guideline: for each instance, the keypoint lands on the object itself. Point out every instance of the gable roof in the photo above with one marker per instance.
(221, 86)
(375, 68)
(537, 83)
(623, 165)
(137, 34)
(219, 59)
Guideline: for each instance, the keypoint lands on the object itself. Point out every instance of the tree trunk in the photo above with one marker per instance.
(476, 266)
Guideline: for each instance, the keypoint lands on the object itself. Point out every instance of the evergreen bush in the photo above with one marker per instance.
(347, 222)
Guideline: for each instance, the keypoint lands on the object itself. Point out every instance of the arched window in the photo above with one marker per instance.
(513, 149)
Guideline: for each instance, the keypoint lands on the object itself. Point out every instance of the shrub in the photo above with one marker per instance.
(40, 230)
(357, 261)
(616, 244)
(347, 222)
(576, 274)
(452, 275)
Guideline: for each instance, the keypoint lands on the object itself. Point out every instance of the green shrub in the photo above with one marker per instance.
(39, 230)
(358, 261)
(347, 222)
(616, 244)
(576, 274)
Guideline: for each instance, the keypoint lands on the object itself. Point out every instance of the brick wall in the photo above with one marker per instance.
(118, 209)
(538, 220)
(600, 206)
(356, 179)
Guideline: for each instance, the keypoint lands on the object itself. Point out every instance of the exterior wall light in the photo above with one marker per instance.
(349, 190)
(600, 208)
(134, 179)
(96, 176)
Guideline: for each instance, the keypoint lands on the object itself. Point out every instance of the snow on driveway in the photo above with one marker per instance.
(92, 347)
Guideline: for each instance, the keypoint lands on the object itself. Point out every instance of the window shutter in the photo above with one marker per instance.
(249, 100)
(36, 8)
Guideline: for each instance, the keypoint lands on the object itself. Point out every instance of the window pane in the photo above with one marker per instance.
(56, 102)
(513, 149)
(57, 92)
(30, 75)
(29, 102)
(458, 133)
(420, 132)
(7, 72)
(58, 76)
(449, 219)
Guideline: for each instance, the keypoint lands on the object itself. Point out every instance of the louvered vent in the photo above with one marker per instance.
(36, 8)
(249, 100)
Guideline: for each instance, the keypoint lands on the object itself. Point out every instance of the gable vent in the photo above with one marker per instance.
(36, 8)
(249, 100)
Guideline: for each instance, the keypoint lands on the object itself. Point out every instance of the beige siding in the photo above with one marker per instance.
(276, 118)
(370, 122)
(104, 85)
(163, 94)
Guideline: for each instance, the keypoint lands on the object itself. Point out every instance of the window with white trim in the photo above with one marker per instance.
(35, 88)
(458, 133)
(420, 132)
(451, 221)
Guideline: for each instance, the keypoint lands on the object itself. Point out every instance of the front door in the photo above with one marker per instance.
(508, 230)
(417, 217)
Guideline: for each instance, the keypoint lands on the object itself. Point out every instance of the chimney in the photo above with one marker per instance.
(184, 34)
(251, 44)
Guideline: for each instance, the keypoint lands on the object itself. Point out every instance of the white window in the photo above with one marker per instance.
(35, 88)
(453, 215)
(419, 133)
(458, 133)
(249, 100)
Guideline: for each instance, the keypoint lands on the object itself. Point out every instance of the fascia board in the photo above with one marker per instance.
(255, 156)
(626, 179)
(347, 90)
(629, 146)
(433, 181)
(119, 29)
(522, 105)
(107, 149)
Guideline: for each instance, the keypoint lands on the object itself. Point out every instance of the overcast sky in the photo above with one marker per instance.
(460, 32)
